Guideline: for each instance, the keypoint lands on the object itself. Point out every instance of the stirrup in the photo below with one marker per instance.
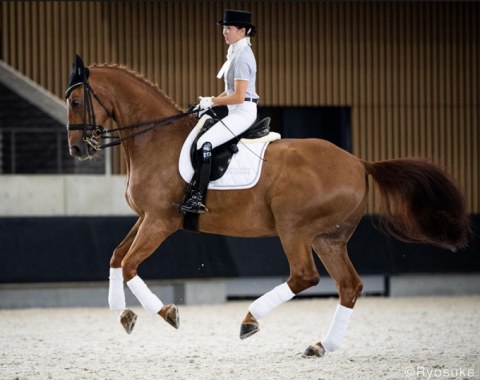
(199, 208)
(193, 204)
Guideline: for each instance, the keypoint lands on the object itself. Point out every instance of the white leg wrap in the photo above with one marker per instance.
(269, 301)
(338, 328)
(149, 301)
(116, 294)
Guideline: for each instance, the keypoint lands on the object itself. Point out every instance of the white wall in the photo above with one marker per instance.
(34, 93)
(59, 195)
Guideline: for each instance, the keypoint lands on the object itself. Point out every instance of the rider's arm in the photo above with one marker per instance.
(236, 97)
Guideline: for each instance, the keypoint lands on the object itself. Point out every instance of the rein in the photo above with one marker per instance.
(106, 134)
(98, 131)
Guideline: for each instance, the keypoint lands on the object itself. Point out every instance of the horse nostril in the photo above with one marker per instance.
(74, 151)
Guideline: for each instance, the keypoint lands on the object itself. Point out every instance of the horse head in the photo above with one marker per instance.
(85, 116)
(106, 91)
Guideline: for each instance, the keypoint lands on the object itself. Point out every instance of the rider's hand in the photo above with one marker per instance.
(205, 103)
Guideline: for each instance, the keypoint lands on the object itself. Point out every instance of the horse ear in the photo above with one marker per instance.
(78, 62)
(78, 75)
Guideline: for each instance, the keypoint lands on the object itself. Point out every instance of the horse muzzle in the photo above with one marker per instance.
(90, 143)
(82, 151)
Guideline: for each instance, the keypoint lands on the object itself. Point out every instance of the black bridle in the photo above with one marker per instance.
(89, 122)
(93, 132)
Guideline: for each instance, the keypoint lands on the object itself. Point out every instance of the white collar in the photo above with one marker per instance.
(233, 50)
(238, 46)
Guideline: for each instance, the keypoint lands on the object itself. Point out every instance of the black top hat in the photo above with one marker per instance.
(242, 19)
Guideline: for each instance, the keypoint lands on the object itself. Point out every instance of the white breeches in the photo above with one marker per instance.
(240, 117)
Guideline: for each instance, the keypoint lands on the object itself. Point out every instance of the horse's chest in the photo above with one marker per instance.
(130, 198)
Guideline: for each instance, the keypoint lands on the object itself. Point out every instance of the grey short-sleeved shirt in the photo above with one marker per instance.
(243, 67)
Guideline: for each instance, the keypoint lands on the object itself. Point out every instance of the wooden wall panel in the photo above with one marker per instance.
(408, 70)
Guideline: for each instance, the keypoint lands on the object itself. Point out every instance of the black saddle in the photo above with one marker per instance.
(222, 154)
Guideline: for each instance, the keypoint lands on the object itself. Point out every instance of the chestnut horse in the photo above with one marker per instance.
(311, 194)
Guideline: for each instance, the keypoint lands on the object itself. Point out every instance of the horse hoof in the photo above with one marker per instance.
(314, 350)
(249, 326)
(170, 314)
(248, 329)
(128, 320)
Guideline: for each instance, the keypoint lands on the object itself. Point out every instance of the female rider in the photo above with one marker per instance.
(239, 72)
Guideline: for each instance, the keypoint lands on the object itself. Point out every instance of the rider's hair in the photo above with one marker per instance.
(250, 31)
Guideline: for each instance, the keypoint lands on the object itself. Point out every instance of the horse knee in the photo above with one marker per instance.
(301, 281)
(116, 259)
(349, 293)
(129, 270)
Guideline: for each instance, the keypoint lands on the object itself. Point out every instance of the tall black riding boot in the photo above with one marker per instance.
(196, 192)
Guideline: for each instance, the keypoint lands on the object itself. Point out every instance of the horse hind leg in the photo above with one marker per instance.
(263, 306)
(334, 257)
(303, 274)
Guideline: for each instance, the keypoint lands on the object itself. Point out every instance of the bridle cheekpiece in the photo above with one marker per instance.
(79, 77)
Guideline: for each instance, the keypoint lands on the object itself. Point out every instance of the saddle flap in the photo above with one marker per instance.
(222, 154)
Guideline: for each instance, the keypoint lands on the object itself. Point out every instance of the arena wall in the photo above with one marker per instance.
(64, 228)
(58, 195)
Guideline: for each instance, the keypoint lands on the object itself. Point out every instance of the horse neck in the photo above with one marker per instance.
(135, 101)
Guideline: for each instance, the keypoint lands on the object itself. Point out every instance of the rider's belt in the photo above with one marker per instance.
(255, 100)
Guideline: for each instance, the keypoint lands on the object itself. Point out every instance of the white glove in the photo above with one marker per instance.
(205, 103)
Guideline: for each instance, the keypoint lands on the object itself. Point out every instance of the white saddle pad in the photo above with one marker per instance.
(244, 169)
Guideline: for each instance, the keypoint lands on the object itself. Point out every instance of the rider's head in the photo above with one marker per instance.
(241, 21)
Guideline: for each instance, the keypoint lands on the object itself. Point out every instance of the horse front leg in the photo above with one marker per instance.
(151, 233)
(116, 293)
(334, 257)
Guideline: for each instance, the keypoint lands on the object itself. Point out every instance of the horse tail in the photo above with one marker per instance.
(420, 203)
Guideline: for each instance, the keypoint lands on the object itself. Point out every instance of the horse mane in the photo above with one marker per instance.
(138, 76)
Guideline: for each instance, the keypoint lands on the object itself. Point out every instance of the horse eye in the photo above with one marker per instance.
(75, 103)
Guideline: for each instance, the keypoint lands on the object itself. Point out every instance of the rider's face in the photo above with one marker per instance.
(232, 34)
